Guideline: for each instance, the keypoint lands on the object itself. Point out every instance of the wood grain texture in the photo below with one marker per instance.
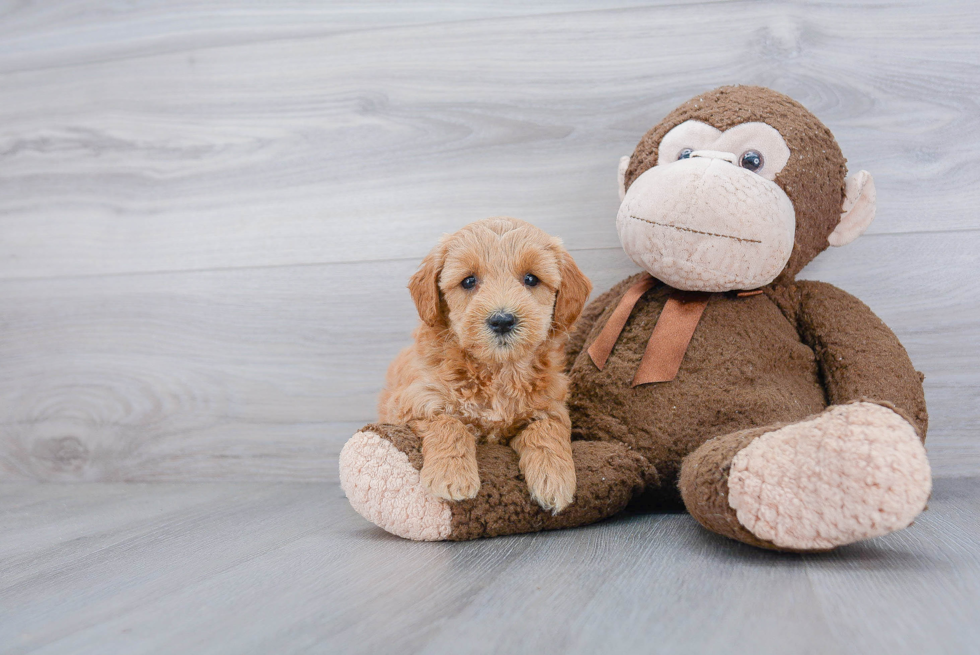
(208, 212)
(162, 138)
(290, 568)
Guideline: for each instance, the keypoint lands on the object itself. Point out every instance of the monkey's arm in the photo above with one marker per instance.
(859, 357)
(586, 321)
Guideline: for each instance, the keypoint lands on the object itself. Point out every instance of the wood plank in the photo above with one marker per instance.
(171, 139)
(264, 373)
(64, 33)
(881, 595)
(289, 568)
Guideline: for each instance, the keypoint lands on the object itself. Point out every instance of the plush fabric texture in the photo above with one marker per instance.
(762, 360)
(700, 136)
(382, 484)
(860, 202)
(813, 180)
(745, 366)
(670, 211)
(703, 485)
(380, 474)
(853, 472)
(859, 356)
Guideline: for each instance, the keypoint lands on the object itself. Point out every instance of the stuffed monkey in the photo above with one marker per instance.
(781, 413)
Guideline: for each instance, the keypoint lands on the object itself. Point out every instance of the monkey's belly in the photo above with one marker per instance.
(745, 367)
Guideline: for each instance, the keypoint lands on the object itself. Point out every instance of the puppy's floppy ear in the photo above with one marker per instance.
(424, 287)
(573, 290)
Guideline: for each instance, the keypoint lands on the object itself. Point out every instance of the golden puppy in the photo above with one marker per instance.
(496, 301)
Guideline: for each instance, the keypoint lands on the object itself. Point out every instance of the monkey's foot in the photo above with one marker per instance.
(380, 473)
(384, 486)
(853, 472)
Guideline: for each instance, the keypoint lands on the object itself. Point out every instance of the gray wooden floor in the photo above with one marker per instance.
(285, 568)
(208, 213)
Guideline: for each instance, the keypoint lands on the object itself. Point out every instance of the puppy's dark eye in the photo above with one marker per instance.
(751, 160)
(468, 282)
(685, 153)
(531, 280)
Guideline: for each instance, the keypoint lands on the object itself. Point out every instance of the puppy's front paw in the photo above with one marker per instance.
(452, 478)
(550, 478)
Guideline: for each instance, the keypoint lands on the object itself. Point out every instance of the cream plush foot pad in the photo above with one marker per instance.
(383, 487)
(856, 471)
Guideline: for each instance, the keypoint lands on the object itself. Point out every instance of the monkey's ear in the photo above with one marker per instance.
(859, 209)
(424, 287)
(624, 163)
(573, 291)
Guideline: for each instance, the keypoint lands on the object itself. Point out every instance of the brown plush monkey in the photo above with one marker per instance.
(783, 414)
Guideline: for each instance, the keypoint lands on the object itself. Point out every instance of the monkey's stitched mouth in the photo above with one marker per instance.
(688, 229)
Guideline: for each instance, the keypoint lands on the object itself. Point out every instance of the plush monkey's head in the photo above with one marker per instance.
(737, 188)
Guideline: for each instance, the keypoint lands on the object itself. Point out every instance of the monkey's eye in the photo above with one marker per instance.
(685, 153)
(751, 160)
(468, 282)
(531, 280)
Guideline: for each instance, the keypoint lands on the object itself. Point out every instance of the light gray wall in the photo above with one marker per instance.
(208, 211)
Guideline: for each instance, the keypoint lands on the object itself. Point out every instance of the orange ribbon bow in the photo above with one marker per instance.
(671, 335)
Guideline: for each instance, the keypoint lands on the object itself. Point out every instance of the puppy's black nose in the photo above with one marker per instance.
(501, 323)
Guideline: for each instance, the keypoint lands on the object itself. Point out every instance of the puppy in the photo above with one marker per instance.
(496, 299)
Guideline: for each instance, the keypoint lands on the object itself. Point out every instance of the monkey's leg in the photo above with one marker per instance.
(849, 473)
(379, 472)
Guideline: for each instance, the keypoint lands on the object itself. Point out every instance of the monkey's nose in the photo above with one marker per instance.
(715, 154)
(501, 323)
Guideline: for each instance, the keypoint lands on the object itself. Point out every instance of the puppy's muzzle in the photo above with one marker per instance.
(501, 323)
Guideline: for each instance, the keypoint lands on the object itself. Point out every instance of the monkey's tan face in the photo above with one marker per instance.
(709, 216)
